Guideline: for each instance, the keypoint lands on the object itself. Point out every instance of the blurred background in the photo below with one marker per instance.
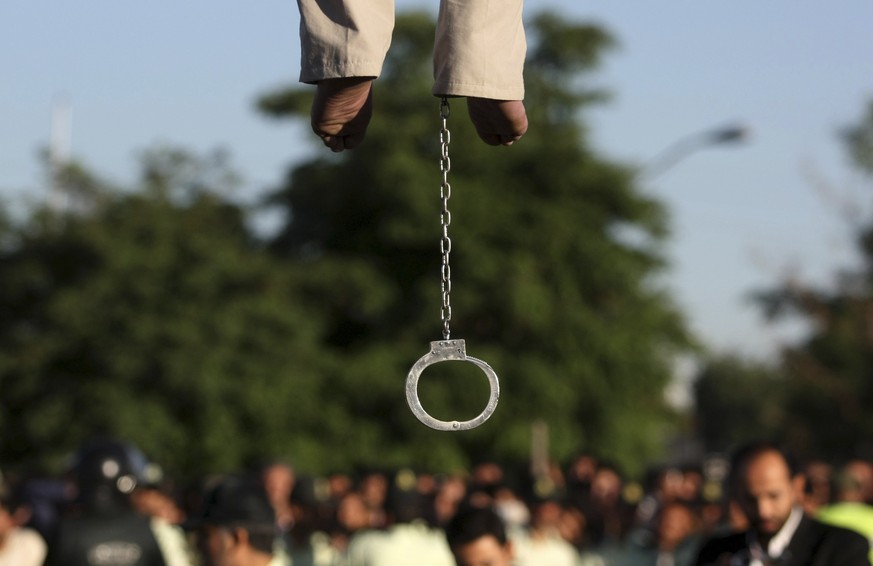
(674, 259)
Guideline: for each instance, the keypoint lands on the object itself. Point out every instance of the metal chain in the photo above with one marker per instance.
(447, 349)
(445, 217)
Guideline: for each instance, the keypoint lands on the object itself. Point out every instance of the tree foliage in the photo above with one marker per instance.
(737, 400)
(150, 315)
(819, 401)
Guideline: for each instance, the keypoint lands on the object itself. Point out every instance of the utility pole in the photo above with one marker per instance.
(59, 149)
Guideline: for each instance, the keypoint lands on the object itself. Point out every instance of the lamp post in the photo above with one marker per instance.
(725, 135)
(731, 134)
(59, 149)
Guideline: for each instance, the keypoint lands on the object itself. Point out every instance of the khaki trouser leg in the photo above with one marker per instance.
(344, 38)
(479, 49)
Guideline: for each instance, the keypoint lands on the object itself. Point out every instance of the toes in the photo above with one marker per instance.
(341, 112)
(498, 122)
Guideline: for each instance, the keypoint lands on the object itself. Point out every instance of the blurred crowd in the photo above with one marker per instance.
(582, 512)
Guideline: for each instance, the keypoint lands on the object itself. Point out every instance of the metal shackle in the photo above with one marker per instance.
(442, 351)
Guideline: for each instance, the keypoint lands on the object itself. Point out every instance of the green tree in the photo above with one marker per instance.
(828, 386)
(737, 400)
(150, 314)
(546, 287)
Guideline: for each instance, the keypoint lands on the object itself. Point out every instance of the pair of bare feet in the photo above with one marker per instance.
(342, 109)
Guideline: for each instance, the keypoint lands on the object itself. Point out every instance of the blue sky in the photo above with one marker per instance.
(794, 72)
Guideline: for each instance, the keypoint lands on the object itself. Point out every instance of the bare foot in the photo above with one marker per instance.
(341, 111)
(498, 122)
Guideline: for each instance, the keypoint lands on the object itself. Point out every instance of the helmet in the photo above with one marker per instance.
(106, 469)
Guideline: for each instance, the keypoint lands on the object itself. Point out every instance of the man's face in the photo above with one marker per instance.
(675, 525)
(484, 551)
(215, 545)
(769, 493)
(278, 482)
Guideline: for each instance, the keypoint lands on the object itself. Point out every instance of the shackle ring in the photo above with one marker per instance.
(442, 351)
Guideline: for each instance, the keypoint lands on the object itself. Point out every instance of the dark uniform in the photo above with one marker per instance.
(122, 539)
(102, 529)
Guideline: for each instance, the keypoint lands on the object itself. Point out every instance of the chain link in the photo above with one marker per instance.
(445, 218)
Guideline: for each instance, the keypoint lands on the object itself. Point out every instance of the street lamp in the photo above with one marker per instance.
(726, 135)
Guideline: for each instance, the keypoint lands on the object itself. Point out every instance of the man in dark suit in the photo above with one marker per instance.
(765, 481)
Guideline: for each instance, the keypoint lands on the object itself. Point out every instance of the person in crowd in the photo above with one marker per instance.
(663, 486)
(154, 496)
(572, 526)
(671, 538)
(373, 487)
(849, 509)
(817, 488)
(693, 482)
(477, 537)
(580, 475)
(862, 470)
(607, 514)
(352, 519)
(278, 479)
(45, 496)
(765, 481)
(338, 485)
(237, 525)
(19, 545)
(102, 527)
(479, 53)
(515, 512)
(542, 542)
(677, 530)
(409, 532)
(450, 492)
